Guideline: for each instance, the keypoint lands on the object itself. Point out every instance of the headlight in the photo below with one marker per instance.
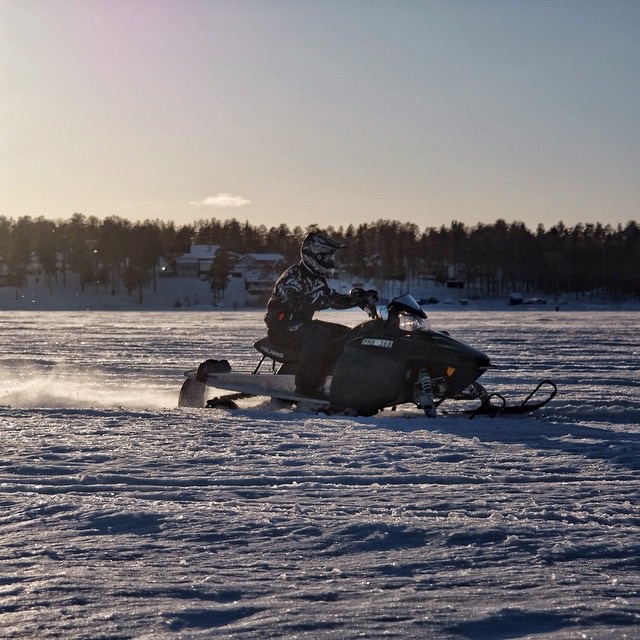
(408, 322)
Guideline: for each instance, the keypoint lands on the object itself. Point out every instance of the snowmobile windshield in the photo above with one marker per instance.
(410, 322)
(407, 304)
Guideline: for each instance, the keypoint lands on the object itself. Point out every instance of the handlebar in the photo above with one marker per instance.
(366, 300)
(372, 310)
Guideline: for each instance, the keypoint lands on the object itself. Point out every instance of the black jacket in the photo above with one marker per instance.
(298, 294)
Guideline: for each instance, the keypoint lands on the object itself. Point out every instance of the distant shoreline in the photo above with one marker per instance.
(89, 303)
(192, 294)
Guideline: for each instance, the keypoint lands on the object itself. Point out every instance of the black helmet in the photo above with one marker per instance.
(318, 253)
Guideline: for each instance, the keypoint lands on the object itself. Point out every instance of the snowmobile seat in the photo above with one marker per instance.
(275, 351)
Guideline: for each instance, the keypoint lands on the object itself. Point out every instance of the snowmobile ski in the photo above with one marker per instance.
(488, 408)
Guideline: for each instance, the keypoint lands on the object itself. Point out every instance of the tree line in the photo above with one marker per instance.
(491, 259)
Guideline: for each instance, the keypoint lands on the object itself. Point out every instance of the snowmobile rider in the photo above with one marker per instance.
(301, 291)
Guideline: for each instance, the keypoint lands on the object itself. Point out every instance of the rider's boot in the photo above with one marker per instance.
(309, 381)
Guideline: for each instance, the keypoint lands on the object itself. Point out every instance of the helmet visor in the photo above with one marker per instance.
(327, 259)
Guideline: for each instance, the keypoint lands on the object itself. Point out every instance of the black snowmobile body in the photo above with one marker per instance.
(385, 363)
(390, 367)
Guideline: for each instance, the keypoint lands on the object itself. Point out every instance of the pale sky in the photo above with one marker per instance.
(333, 112)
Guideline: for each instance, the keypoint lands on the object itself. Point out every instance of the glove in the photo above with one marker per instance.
(372, 296)
(364, 299)
(357, 294)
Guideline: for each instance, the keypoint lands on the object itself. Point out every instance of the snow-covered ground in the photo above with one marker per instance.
(126, 517)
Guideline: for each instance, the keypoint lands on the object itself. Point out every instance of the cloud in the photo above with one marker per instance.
(222, 200)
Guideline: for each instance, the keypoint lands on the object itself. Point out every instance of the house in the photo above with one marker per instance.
(260, 271)
(196, 263)
(252, 274)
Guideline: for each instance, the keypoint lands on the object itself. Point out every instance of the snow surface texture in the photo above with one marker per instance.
(126, 517)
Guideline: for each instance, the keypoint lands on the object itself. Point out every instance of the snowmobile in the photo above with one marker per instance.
(386, 362)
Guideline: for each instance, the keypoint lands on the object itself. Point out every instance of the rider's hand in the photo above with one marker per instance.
(362, 298)
(372, 296)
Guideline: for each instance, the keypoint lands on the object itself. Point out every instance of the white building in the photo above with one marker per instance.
(260, 272)
(252, 275)
(196, 263)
